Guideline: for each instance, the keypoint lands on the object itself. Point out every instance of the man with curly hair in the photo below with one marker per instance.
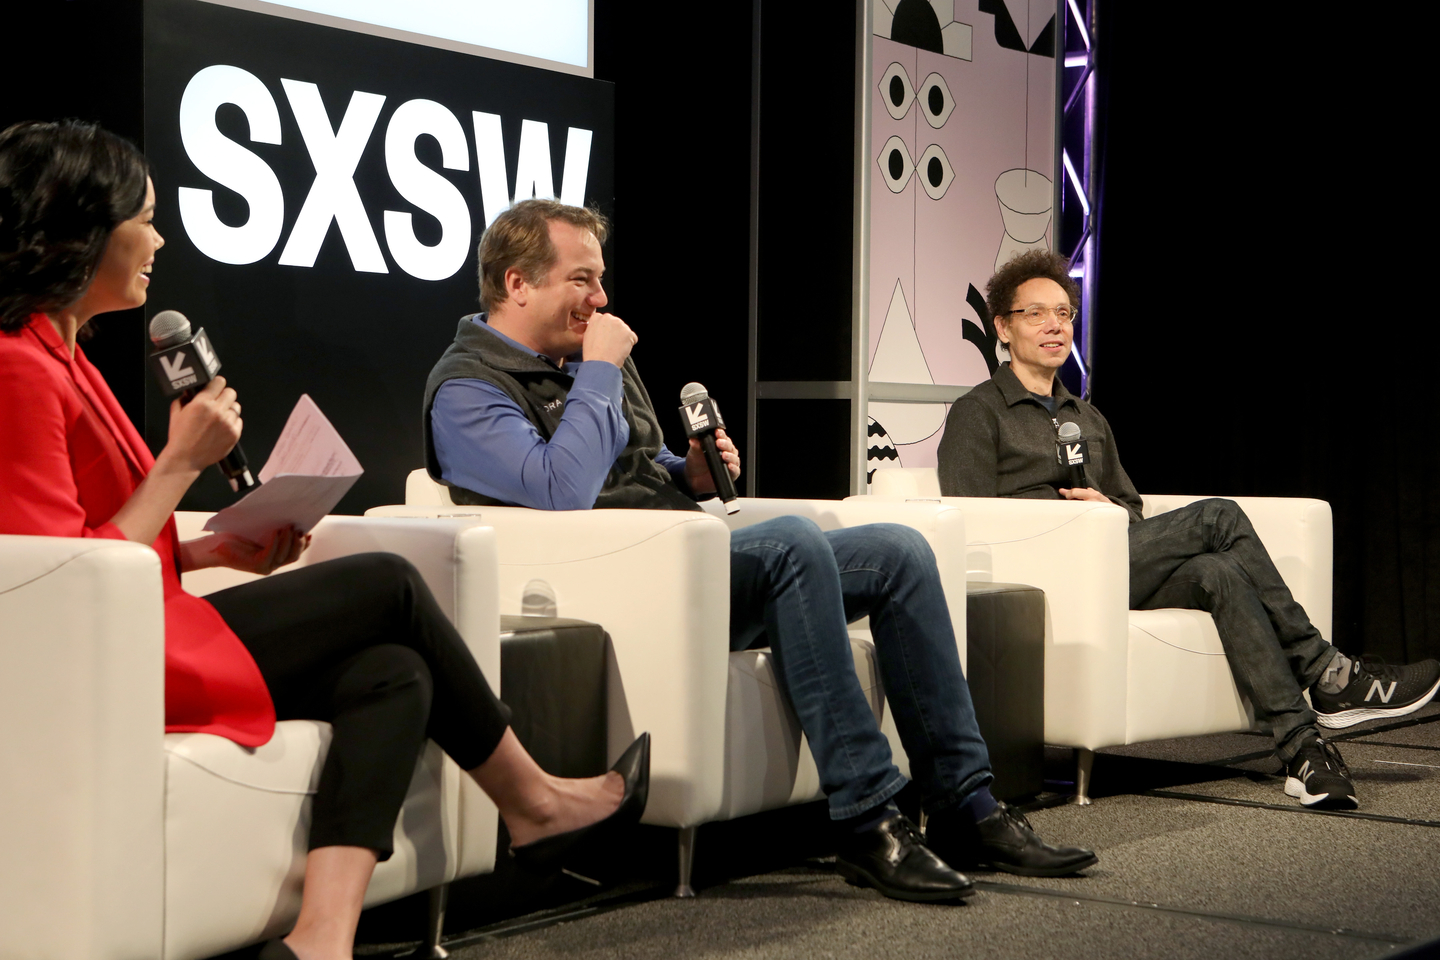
(1000, 442)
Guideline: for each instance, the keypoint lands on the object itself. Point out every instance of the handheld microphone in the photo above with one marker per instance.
(1072, 451)
(701, 417)
(183, 363)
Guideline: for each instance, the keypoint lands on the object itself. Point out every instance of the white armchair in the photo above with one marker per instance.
(1113, 675)
(725, 743)
(123, 841)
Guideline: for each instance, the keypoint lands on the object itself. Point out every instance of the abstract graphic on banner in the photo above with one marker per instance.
(962, 157)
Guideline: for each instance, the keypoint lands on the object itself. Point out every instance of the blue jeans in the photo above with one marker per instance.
(1206, 556)
(794, 588)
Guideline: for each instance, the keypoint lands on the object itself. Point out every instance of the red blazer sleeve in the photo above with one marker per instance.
(65, 473)
(46, 447)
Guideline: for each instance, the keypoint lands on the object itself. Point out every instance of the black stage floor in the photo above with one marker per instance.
(1202, 855)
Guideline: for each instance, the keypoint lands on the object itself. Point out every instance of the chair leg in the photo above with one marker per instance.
(687, 862)
(1084, 761)
(432, 950)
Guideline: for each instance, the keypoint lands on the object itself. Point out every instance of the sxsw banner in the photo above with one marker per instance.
(321, 193)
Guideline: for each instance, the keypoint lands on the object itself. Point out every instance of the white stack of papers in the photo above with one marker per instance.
(308, 472)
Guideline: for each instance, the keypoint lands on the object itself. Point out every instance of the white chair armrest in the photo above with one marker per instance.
(455, 556)
(190, 525)
(82, 703)
(421, 491)
(1299, 535)
(659, 582)
(437, 547)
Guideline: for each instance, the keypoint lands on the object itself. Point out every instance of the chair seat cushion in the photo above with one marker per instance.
(1188, 631)
(1179, 681)
(767, 759)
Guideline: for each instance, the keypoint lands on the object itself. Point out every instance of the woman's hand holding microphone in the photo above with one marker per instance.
(202, 431)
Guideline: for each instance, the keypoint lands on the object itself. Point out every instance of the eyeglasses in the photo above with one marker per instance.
(1036, 313)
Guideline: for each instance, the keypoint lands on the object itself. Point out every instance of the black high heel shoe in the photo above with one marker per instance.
(546, 855)
(277, 949)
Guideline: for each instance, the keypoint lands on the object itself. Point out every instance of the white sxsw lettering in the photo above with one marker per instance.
(335, 154)
(533, 177)
(577, 166)
(333, 195)
(490, 159)
(427, 189)
(231, 165)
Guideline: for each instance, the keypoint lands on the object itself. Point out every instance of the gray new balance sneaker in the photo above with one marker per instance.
(1318, 777)
(1377, 690)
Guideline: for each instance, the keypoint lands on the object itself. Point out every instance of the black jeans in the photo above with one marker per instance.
(1206, 556)
(359, 642)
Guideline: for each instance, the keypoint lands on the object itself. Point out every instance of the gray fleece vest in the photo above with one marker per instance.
(540, 390)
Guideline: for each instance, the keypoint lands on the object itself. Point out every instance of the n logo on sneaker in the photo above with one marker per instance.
(1385, 695)
(1303, 774)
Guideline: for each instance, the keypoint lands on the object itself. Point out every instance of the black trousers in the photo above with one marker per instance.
(359, 642)
(1207, 556)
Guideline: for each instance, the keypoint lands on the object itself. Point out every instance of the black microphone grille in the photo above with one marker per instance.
(169, 325)
(1069, 431)
(693, 393)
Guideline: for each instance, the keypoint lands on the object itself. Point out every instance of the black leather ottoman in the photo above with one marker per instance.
(552, 676)
(1005, 640)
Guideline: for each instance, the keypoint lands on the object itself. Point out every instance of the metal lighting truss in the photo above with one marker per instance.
(1078, 189)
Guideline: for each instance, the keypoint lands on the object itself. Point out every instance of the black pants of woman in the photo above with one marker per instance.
(359, 642)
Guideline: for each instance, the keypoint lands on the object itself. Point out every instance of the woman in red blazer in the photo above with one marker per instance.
(358, 642)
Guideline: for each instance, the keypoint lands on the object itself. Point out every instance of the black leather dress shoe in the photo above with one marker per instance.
(548, 854)
(892, 858)
(1002, 841)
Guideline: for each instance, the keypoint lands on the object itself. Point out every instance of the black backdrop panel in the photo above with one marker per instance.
(807, 185)
(1261, 351)
(804, 448)
(360, 343)
(105, 37)
(682, 200)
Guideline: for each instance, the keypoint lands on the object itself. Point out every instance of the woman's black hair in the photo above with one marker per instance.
(63, 188)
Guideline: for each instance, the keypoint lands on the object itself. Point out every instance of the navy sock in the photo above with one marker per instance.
(872, 818)
(979, 804)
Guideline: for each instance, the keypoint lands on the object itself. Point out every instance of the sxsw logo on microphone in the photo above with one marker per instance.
(697, 417)
(1074, 454)
(177, 371)
(701, 417)
(335, 145)
(185, 365)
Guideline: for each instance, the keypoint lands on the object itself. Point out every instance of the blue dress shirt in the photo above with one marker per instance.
(485, 443)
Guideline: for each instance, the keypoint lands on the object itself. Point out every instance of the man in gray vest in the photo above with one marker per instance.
(538, 403)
